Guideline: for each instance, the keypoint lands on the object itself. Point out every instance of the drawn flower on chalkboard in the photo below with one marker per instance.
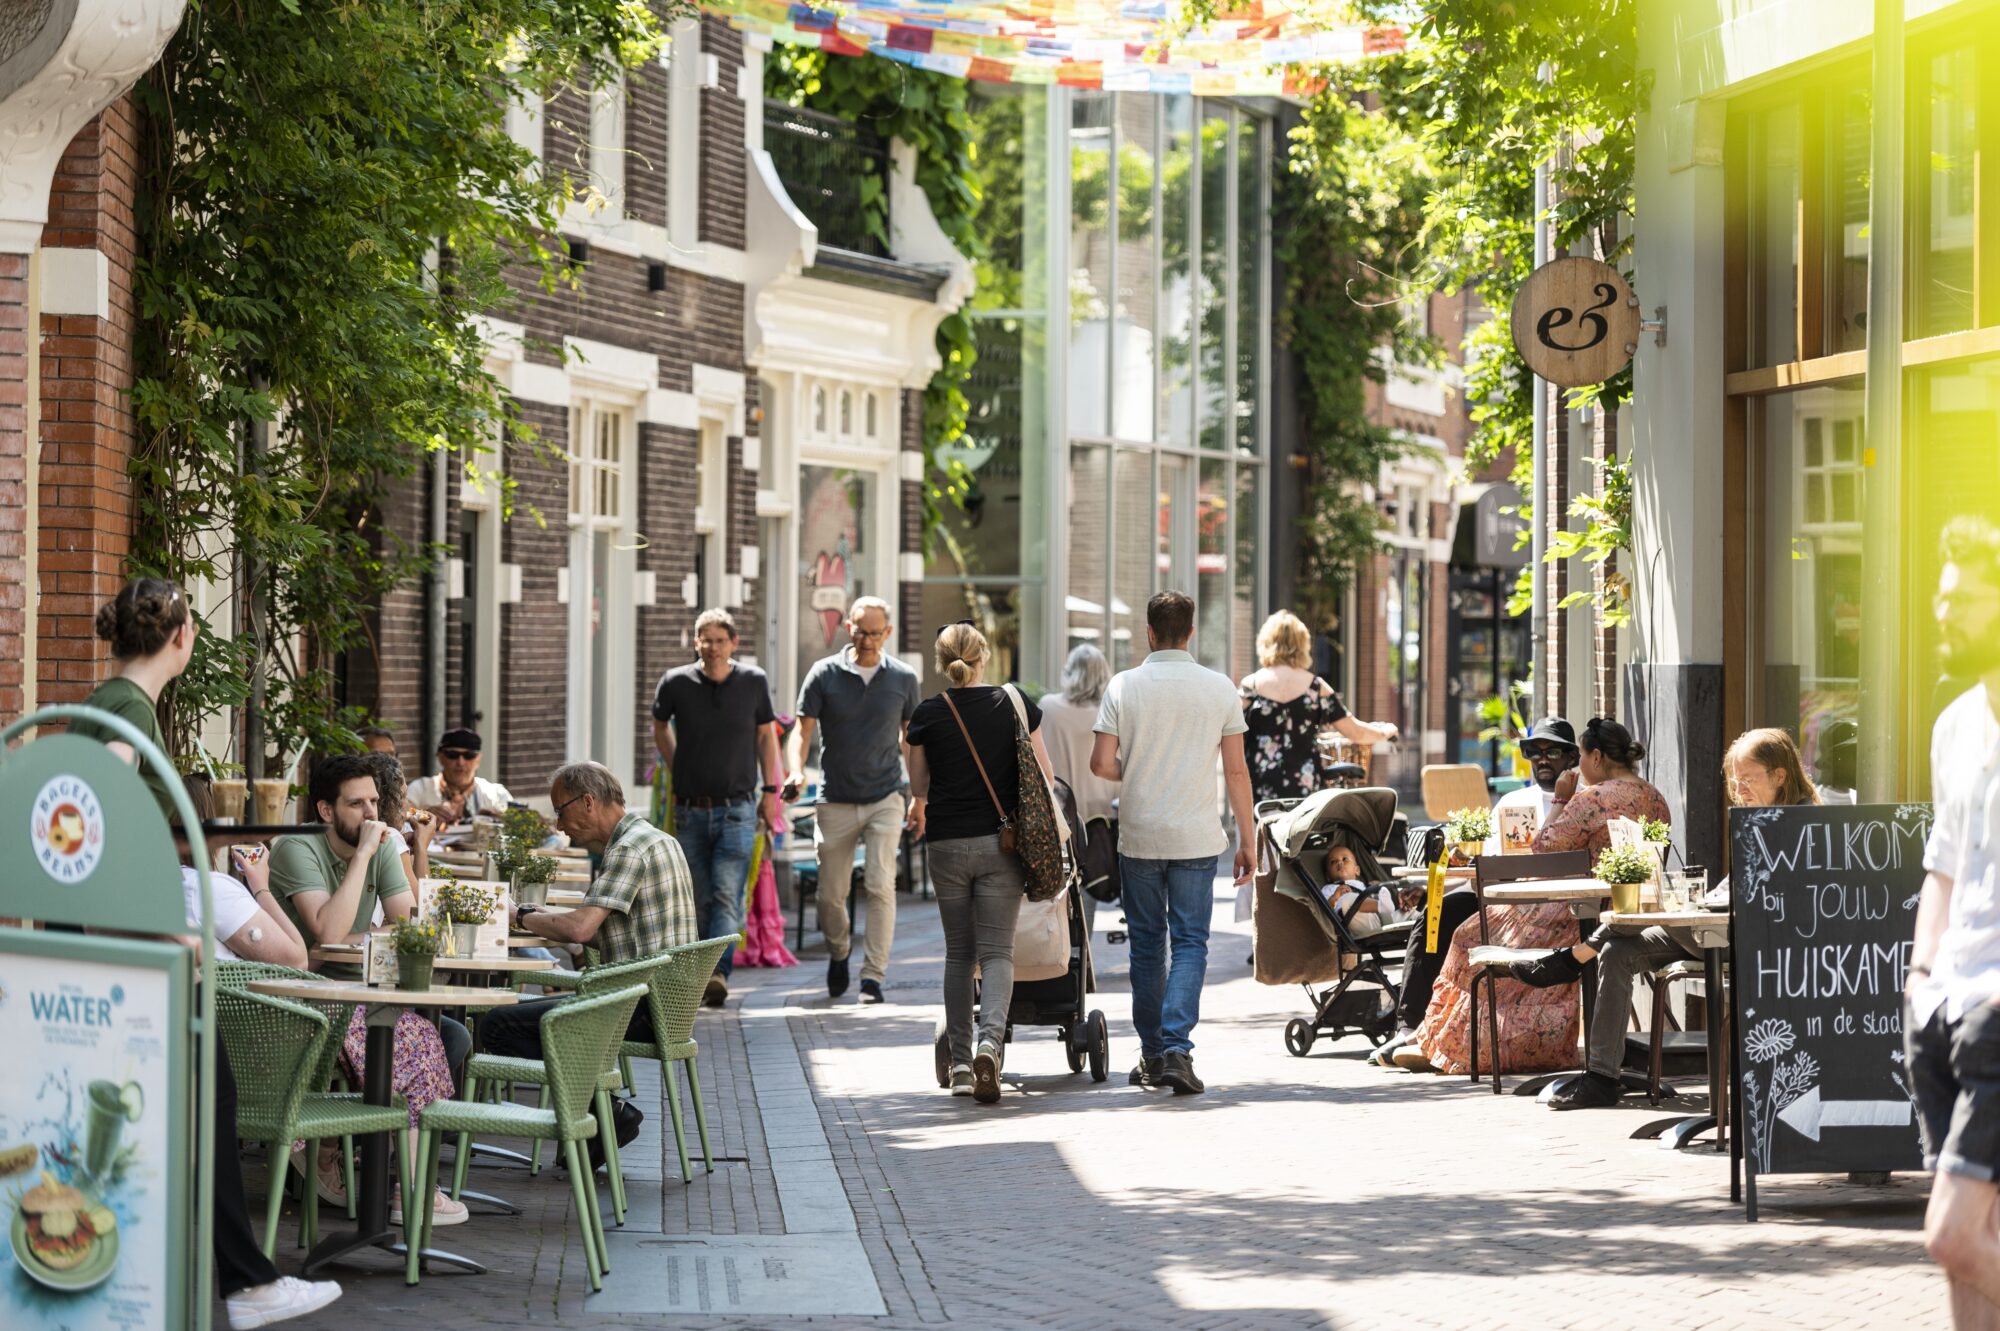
(1768, 1039)
(1791, 1080)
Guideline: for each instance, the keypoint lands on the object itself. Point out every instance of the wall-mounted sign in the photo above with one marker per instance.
(1575, 322)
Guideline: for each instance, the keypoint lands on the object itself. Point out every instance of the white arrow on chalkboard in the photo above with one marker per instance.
(1808, 1114)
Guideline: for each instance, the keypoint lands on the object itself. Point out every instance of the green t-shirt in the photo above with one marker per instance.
(308, 864)
(128, 702)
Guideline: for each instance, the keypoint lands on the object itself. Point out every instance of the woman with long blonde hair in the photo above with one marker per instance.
(1763, 767)
(964, 779)
(1286, 706)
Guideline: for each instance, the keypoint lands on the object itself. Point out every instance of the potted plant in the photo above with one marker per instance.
(1467, 830)
(416, 943)
(461, 908)
(530, 882)
(1624, 869)
(522, 832)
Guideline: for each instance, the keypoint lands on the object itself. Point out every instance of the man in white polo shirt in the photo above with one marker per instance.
(1952, 1027)
(1158, 731)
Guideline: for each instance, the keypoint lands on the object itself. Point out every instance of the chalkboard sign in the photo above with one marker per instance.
(1825, 911)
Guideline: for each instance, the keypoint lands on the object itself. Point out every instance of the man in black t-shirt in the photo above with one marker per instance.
(716, 729)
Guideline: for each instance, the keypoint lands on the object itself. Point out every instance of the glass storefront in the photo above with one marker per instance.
(1122, 326)
(836, 508)
(1822, 584)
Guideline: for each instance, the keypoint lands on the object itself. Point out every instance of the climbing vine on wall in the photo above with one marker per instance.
(1350, 212)
(326, 196)
(929, 112)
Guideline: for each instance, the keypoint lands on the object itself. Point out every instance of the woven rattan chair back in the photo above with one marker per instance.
(580, 1042)
(677, 988)
(274, 1044)
(236, 974)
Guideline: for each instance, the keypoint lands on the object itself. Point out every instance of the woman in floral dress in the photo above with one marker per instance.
(1538, 1025)
(1286, 706)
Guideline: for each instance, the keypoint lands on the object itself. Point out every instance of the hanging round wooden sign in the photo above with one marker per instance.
(1575, 322)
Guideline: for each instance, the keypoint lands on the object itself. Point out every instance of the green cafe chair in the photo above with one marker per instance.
(327, 1073)
(274, 1046)
(580, 1041)
(501, 1072)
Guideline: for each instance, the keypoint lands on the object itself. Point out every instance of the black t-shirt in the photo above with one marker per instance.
(959, 805)
(715, 729)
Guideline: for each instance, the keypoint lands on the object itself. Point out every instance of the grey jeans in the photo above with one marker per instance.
(1623, 955)
(979, 900)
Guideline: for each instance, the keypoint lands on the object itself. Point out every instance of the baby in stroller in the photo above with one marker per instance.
(1366, 908)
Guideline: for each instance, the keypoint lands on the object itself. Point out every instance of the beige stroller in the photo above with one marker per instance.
(1302, 939)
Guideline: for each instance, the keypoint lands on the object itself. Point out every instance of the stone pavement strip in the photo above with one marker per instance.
(850, 1192)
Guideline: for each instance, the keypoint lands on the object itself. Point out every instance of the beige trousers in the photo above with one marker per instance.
(879, 827)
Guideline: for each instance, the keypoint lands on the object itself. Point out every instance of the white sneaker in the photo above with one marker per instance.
(280, 1301)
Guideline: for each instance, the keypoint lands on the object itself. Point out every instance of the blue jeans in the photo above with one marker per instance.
(717, 845)
(1167, 899)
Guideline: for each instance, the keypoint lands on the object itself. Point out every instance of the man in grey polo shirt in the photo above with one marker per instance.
(859, 700)
(1159, 730)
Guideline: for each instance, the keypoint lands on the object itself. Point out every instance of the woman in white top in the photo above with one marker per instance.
(1067, 718)
(249, 924)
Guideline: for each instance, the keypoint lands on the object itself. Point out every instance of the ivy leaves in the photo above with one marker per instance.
(327, 194)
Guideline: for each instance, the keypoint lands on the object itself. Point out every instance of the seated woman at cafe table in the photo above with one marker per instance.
(329, 883)
(1761, 768)
(249, 923)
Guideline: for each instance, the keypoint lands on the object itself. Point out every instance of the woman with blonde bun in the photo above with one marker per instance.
(964, 778)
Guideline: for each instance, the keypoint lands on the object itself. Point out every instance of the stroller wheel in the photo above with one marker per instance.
(1099, 1033)
(941, 1053)
(1073, 1041)
(1299, 1036)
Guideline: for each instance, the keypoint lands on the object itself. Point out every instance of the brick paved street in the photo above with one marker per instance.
(1295, 1193)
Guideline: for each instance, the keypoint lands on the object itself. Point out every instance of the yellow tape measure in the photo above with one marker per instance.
(1434, 904)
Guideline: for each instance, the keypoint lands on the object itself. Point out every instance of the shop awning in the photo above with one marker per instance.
(1261, 48)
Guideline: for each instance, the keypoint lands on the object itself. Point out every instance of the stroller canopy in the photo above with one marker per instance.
(1368, 814)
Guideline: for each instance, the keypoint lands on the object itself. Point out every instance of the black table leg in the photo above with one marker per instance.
(372, 1228)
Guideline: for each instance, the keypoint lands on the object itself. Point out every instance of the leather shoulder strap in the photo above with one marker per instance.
(973, 749)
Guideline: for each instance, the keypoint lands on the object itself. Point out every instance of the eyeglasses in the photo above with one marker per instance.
(457, 755)
(867, 635)
(1536, 753)
(954, 624)
(571, 800)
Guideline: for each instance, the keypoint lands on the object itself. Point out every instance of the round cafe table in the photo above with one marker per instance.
(384, 1007)
(350, 953)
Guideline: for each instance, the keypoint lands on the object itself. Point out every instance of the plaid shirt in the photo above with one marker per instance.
(643, 882)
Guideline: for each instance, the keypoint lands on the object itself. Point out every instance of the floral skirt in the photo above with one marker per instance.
(420, 1073)
(1537, 1026)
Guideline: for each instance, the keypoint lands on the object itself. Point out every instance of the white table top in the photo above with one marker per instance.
(354, 991)
(1538, 890)
(349, 953)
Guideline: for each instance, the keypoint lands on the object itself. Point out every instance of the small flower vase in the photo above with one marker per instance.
(1625, 898)
(413, 970)
(1470, 850)
(529, 894)
(464, 938)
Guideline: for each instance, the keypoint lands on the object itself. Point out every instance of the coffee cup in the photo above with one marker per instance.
(227, 795)
(272, 795)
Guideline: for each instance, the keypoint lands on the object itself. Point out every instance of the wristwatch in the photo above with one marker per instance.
(768, 790)
(525, 910)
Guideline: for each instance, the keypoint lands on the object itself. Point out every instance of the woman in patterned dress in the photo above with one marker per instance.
(1286, 706)
(1538, 1025)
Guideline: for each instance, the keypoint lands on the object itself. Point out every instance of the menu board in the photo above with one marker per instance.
(1822, 930)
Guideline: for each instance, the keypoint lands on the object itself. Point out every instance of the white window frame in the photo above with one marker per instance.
(607, 139)
(711, 514)
(601, 501)
(524, 121)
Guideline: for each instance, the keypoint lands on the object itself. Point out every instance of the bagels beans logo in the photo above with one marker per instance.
(66, 829)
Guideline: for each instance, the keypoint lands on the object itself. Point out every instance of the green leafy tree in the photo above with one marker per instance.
(326, 195)
(1350, 215)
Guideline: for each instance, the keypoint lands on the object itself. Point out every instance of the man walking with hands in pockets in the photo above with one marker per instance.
(1158, 731)
(859, 700)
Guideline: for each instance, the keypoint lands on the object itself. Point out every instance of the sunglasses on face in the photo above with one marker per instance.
(1543, 753)
(457, 755)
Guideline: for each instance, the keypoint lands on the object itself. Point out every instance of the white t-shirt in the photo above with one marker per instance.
(488, 798)
(1170, 715)
(1965, 838)
(867, 673)
(1530, 796)
(234, 907)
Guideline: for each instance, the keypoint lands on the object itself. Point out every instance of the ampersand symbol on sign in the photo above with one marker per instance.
(1560, 316)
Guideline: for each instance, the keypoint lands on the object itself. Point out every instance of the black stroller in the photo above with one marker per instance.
(1312, 941)
(1061, 1000)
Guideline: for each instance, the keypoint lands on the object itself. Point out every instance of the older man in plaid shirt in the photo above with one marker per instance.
(640, 903)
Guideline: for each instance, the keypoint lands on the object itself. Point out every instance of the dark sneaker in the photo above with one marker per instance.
(986, 1074)
(836, 976)
(1177, 1071)
(961, 1081)
(1546, 972)
(871, 991)
(1592, 1090)
(1146, 1072)
(626, 1119)
(717, 992)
